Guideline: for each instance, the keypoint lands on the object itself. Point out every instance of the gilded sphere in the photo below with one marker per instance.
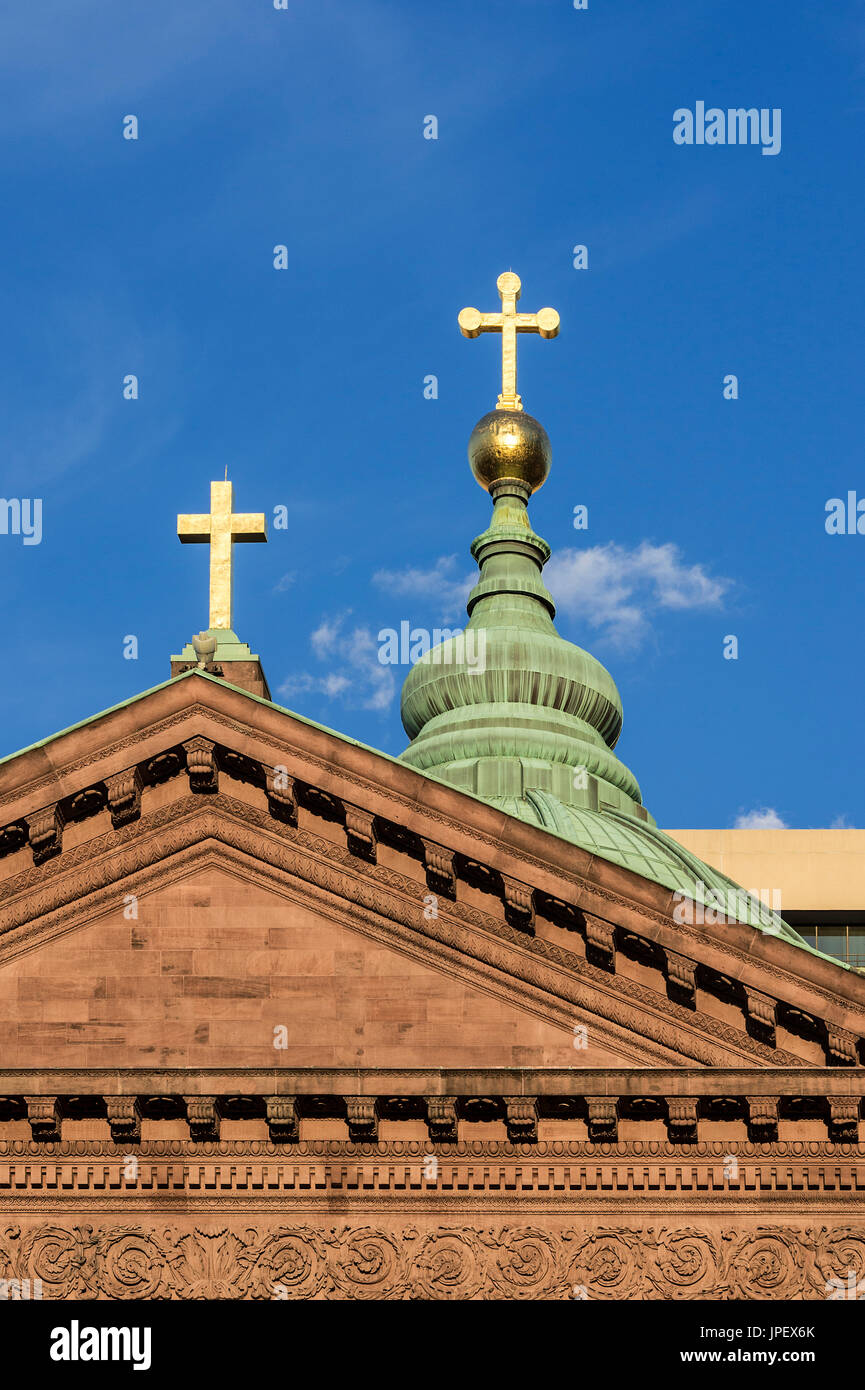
(510, 444)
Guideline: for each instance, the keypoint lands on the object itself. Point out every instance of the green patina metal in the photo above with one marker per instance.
(517, 716)
(228, 648)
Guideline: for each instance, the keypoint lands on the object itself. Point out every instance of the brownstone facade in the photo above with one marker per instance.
(282, 1017)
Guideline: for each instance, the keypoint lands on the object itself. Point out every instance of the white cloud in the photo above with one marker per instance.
(356, 676)
(285, 582)
(441, 587)
(762, 818)
(617, 590)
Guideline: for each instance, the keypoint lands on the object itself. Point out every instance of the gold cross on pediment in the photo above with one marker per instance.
(221, 529)
(509, 323)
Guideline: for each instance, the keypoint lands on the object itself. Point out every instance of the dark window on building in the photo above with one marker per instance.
(838, 934)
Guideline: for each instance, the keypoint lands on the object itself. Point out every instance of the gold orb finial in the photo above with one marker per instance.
(510, 445)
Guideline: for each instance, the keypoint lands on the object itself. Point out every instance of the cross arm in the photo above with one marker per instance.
(472, 322)
(248, 526)
(194, 527)
(545, 321)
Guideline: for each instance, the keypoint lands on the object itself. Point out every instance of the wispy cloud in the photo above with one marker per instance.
(441, 588)
(762, 818)
(618, 590)
(356, 677)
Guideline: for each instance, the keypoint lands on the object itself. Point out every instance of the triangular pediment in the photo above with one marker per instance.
(401, 918)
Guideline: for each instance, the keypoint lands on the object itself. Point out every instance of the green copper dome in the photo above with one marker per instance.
(512, 713)
(509, 706)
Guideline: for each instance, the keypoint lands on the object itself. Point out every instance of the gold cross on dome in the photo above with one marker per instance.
(221, 528)
(509, 323)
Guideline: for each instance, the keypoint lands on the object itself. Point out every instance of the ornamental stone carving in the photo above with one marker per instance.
(45, 832)
(360, 832)
(201, 765)
(140, 1261)
(124, 797)
(439, 868)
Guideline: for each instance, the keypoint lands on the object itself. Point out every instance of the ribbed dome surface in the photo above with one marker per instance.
(510, 705)
(519, 669)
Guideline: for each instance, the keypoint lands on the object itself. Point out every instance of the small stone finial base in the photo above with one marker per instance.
(226, 657)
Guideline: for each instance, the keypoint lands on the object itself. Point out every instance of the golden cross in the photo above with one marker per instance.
(221, 528)
(509, 323)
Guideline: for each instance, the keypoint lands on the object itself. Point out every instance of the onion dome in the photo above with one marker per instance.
(509, 706)
(509, 711)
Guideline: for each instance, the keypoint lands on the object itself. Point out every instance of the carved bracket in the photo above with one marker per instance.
(203, 1117)
(360, 832)
(438, 864)
(760, 1013)
(522, 1119)
(12, 837)
(46, 833)
(681, 980)
(682, 1119)
(603, 1120)
(600, 943)
(519, 904)
(88, 802)
(442, 1118)
(282, 797)
(201, 764)
(763, 1119)
(43, 1113)
(124, 796)
(282, 1120)
(844, 1119)
(362, 1113)
(124, 1118)
(841, 1048)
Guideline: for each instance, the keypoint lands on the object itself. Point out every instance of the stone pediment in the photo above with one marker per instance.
(187, 874)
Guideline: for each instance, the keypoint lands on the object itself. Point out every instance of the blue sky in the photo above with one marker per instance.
(304, 127)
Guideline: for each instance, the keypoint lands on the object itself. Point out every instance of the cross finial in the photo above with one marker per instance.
(221, 528)
(509, 323)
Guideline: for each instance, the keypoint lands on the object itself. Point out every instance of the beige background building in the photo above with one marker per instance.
(819, 874)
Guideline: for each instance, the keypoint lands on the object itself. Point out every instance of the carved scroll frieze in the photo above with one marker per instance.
(460, 1260)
